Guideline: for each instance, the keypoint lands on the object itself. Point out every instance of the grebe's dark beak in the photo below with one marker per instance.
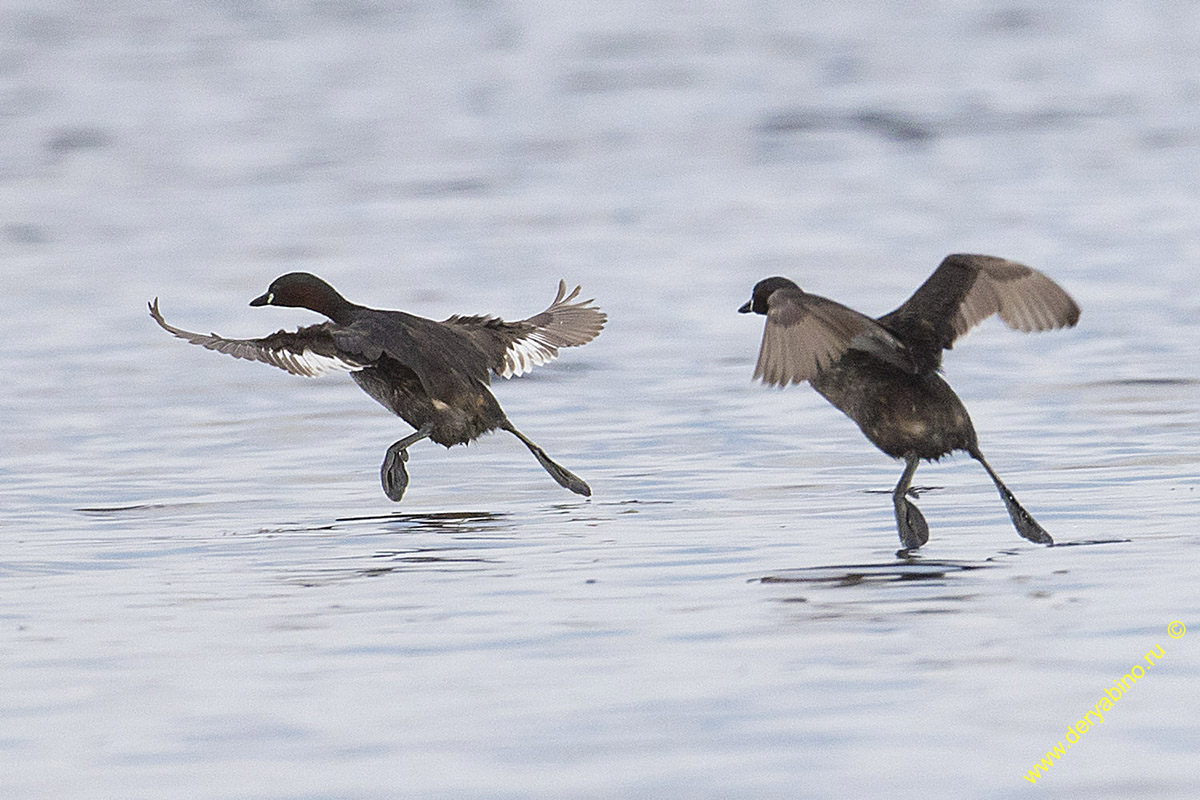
(747, 308)
(264, 300)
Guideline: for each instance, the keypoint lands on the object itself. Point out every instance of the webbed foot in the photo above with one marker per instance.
(910, 522)
(1024, 522)
(393, 475)
(562, 476)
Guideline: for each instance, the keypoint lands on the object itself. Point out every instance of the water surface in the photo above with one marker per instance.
(207, 594)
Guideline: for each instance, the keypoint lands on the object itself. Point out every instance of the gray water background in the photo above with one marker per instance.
(204, 593)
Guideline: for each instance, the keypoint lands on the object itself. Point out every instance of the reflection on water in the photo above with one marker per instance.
(435, 558)
(206, 594)
(437, 519)
(912, 569)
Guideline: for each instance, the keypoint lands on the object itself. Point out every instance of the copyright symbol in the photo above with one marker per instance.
(1176, 629)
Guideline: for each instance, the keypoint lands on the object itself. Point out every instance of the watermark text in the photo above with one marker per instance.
(1095, 715)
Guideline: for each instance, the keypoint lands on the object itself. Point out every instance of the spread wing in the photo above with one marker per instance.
(805, 333)
(966, 289)
(310, 352)
(514, 348)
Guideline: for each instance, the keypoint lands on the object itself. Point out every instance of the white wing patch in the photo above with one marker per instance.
(526, 353)
(313, 365)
